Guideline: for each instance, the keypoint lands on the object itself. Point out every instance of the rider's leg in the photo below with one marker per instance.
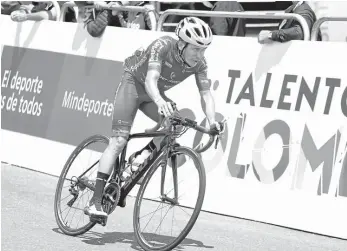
(126, 104)
(106, 162)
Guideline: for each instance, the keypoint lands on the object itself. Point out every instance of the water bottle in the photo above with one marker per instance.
(140, 157)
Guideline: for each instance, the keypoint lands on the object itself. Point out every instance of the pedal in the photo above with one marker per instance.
(100, 220)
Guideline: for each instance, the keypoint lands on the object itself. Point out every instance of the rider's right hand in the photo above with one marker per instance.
(164, 108)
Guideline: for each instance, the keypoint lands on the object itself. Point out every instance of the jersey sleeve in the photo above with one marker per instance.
(202, 80)
(157, 51)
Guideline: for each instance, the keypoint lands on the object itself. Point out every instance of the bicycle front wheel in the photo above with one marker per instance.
(169, 200)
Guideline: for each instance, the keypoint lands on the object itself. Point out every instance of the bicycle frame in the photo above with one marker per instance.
(164, 148)
(167, 146)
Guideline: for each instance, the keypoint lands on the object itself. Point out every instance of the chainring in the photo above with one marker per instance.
(112, 191)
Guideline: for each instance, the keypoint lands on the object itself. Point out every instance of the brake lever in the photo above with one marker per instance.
(215, 147)
(222, 124)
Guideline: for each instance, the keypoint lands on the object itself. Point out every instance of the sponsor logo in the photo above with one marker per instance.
(168, 64)
(173, 82)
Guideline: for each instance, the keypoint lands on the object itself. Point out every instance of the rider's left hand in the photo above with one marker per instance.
(214, 125)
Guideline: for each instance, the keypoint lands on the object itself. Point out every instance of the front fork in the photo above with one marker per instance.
(164, 197)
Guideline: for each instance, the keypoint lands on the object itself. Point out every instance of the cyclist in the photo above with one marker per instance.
(147, 75)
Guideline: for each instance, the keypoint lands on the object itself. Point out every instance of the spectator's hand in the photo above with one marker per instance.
(114, 4)
(264, 37)
(19, 16)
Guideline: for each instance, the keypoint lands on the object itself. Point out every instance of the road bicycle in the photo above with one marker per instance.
(161, 167)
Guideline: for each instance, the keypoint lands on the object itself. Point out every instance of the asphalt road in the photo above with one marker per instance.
(28, 223)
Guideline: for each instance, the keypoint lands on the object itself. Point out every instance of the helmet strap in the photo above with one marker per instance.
(180, 52)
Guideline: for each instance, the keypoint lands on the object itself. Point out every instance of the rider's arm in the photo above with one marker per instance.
(157, 50)
(207, 100)
(151, 83)
(207, 103)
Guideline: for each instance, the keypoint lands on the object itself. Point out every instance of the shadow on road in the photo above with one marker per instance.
(98, 239)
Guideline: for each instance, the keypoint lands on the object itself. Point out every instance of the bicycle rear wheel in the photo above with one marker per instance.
(184, 165)
(72, 196)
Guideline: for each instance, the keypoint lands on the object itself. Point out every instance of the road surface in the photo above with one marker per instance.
(28, 223)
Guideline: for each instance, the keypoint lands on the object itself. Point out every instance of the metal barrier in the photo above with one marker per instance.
(319, 22)
(91, 6)
(250, 15)
(57, 8)
(64, 8)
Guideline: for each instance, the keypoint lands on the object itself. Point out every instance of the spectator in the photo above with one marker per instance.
(226, 26)
(205, 6)
(83, 12)
(290, 29)
(139, 20)
(36, 11)
(98, 18)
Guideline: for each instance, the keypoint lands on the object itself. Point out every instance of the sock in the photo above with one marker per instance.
(101, 180)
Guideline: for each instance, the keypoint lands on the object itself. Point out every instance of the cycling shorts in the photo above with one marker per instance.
(131, 96)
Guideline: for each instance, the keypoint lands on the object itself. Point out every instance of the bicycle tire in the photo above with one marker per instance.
(74, 154)
(202, 187)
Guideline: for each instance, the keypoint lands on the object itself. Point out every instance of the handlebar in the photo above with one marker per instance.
(176, 119)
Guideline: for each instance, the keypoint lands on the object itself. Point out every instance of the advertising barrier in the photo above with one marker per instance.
(282, 159)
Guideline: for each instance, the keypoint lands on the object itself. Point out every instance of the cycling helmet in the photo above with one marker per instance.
(194, 31)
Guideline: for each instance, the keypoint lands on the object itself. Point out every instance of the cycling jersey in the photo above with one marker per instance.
(174, 70)
(131, 94)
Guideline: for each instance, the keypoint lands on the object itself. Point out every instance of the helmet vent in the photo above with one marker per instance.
(198, 32)
(188, 34)
(191, 20)
(205, 31)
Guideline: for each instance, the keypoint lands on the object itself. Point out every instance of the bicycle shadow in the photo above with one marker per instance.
(99, 239)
